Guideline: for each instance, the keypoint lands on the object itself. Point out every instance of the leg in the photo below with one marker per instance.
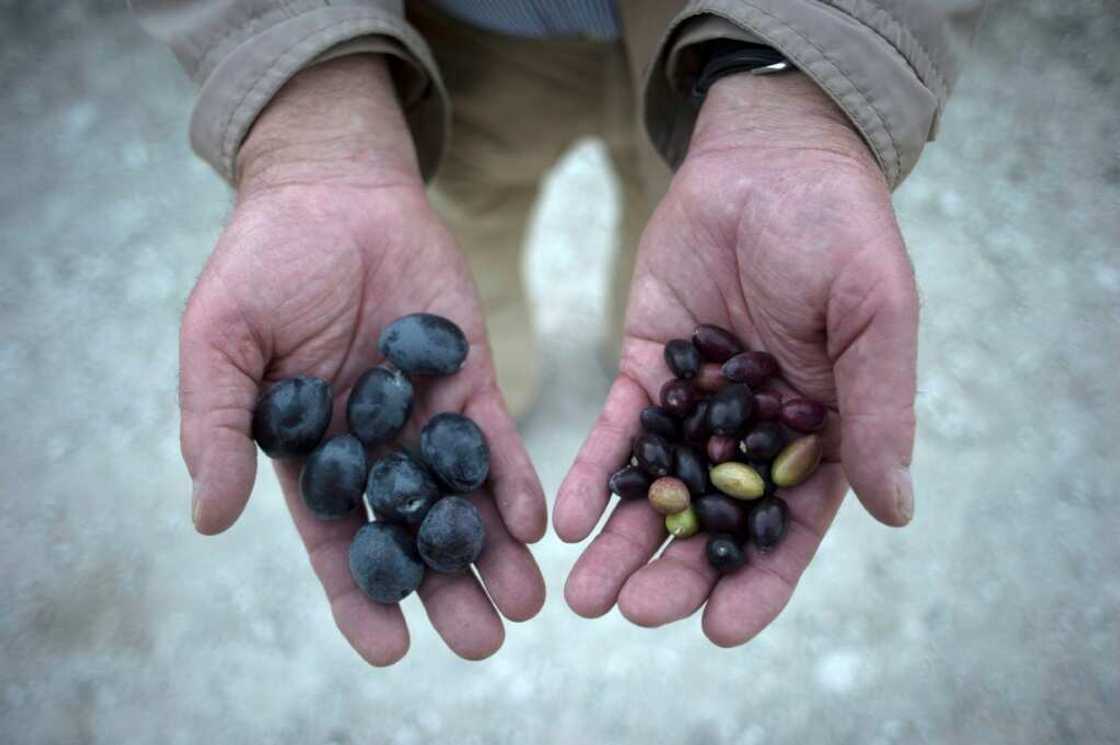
(517, 104)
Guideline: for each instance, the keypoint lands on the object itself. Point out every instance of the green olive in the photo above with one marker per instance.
(683, 524)
(738, 480)
(797, 461)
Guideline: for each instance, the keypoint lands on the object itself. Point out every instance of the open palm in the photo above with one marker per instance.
(302, 282)
(793, 247)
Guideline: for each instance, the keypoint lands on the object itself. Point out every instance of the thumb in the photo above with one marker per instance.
(873, 342)
(220, 364)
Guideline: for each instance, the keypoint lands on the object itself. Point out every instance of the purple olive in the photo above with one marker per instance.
(629, 483)
(658, 421)
(729, 411)
(721, 514)
(689, 467)
(804, 415)
(767, 522)
(722, 448)
(678, 398)
(694, 428)
(763, 442)
(752, 368)
(767, 406)
(710, 378)
(715, 344)
(724, 553)
(682, 358)
(654, 454)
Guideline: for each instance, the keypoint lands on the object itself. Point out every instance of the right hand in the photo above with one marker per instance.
(332, 239)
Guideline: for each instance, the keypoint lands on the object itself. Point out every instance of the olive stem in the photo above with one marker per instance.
(369, 510)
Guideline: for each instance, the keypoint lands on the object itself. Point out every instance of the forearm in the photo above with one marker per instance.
(340, 121)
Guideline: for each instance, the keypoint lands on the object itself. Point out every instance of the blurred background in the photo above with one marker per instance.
(993, 618)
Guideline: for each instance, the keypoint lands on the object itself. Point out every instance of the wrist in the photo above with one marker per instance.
(779, 112)
(337, 122)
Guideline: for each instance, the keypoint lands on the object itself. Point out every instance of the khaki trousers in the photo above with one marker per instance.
(517, 104)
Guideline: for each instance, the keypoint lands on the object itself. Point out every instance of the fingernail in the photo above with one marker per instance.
(904, 493)
(195, 503)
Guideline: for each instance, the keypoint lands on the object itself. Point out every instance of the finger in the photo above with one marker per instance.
(873, 342)
(584, 495)
(462, 614)
(220, 365)
(507, 567)
(376, 632)
(673, 586)
(628, 540)
(745, 602)
(513, 479)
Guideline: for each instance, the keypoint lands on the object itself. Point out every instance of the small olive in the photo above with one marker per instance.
(683, 358)
(682, 524)
(797, 461)
(678, 398)
(668, 495)
(715, 344)
(738, 480)
(752, 368)
(724, 553)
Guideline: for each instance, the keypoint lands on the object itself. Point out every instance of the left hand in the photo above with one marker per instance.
(778, 226)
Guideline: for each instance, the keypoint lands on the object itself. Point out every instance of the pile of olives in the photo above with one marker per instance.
(712, 456)
(419, 522)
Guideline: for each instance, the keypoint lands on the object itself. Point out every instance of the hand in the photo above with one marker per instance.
(778, 227)
(332, 238)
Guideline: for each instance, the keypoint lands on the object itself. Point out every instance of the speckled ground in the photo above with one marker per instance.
(992, 619)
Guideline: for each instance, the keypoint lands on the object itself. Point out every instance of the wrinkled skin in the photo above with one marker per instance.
(324, 249)
(778, 227)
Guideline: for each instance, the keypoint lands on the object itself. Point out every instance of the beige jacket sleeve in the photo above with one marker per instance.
(240, 52)
(889, 64)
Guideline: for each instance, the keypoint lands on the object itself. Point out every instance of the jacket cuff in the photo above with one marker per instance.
(242, 83)
(867, 77)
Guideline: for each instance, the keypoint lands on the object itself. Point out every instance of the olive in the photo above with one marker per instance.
(400, 489)
(752, 368)
(767, 522)
(683, 358)
(722, 448)
(804, 415)
(452, 536)
(797, 461)
(710, 378)
(658, 421)
(379, 406)
(455, 449)
(668, 495)
(678, 398)
(689, 467)
(654, 454)
(763, 441)
(719, 513)
(767, 406)
(334, 477)
(715, 344)
(682, 524)
(694, 428)
(384, 562)
(629, 482)
(729, 411)
(424, 344)
(292, 416)
(737, 480)
(724, 553)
